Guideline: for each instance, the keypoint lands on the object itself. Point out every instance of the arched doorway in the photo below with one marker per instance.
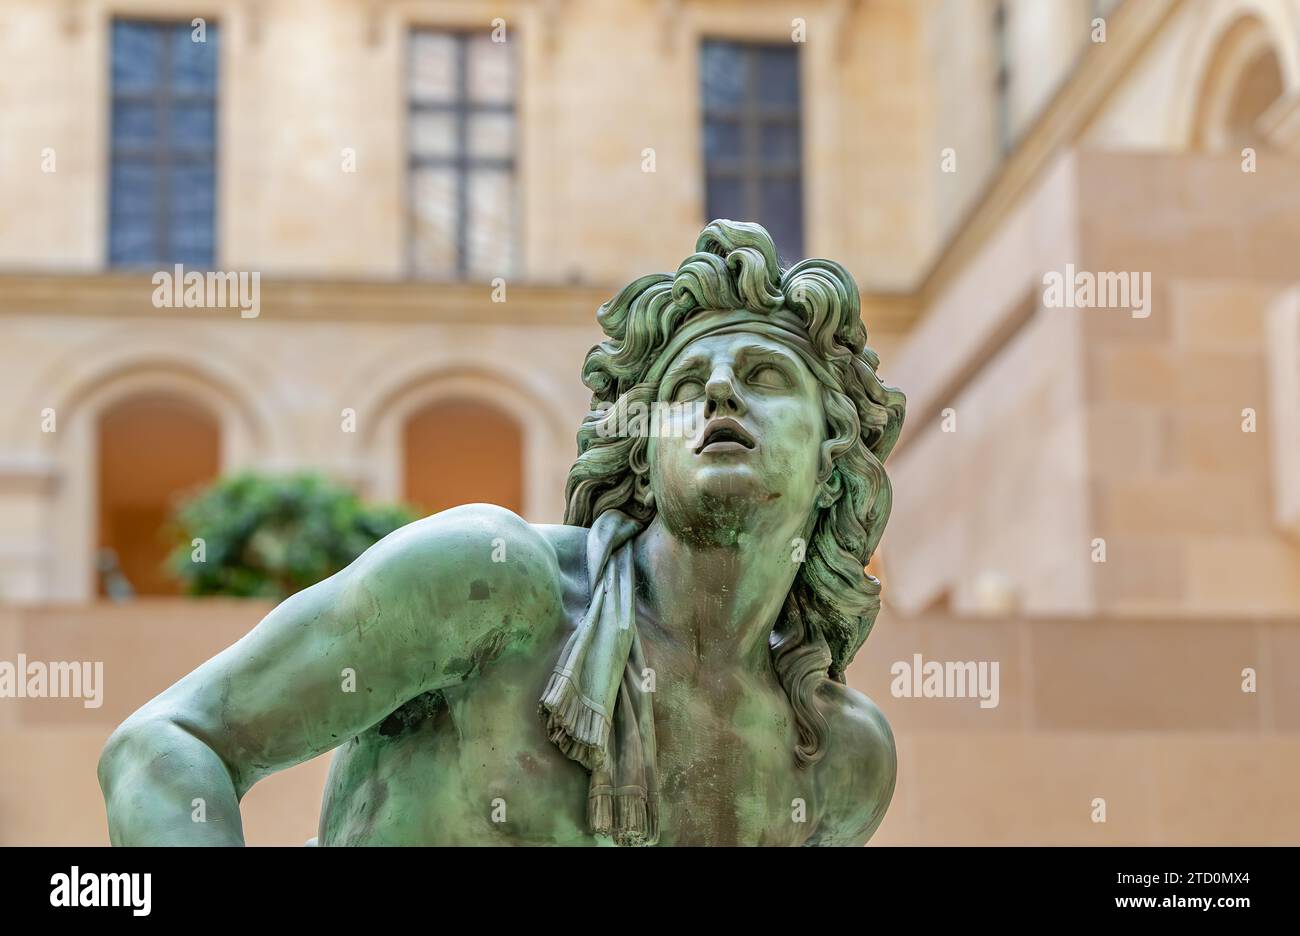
(153, 448)
(462, 451)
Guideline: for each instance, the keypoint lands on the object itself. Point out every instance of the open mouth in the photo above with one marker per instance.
(725, 435)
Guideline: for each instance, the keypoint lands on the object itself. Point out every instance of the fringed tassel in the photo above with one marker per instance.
(632, 819)
(600, 813)
(573, 725)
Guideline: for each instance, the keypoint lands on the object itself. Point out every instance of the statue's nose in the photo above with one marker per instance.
(720, 392)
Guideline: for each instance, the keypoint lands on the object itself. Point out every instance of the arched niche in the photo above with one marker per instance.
(152, 449)
(1239, 75)
(75, 508)
(461, 450)
(524, 416)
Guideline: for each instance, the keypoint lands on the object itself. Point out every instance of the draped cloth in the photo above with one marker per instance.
(595, 708)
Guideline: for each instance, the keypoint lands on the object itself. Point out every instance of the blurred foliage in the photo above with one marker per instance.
(270, 536)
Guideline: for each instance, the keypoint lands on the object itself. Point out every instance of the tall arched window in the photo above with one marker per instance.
(460, 451)
(1242, 81)
(153, 449)
(1259, 85)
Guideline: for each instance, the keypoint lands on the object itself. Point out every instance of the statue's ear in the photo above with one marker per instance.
(641, 491)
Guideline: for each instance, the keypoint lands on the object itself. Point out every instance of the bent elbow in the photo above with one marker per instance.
(143, 747)
(120, 751)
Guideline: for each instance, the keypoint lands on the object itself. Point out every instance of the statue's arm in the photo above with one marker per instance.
(420, 610)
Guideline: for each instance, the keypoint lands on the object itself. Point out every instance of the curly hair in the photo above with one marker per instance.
(833, 602)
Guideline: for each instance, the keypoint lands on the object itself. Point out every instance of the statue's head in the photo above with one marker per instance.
(735, 396)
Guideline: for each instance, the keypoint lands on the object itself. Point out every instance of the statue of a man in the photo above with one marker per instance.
(667, 667)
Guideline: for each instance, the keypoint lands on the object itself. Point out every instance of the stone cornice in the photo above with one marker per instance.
(129, 295)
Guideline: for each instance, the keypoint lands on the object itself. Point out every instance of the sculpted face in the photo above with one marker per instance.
(746, 431)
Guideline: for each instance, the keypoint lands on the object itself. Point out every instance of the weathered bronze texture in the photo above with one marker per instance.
(684, 634)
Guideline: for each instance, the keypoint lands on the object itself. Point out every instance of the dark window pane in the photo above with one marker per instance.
(134, 240)
(191, 239)
(722, 75)
(723, 140)
(193, 126)
(725, 199)
(134, 188)
(779, 145)
(782, 214)
(192, 190)
(162, 180)
(137, 56)
(194, 64)
(752, 138)
(191, 260)
(135, 124)
(778, 78)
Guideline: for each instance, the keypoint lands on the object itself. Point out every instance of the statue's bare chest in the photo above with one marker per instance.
(727, 770)
(484, 770)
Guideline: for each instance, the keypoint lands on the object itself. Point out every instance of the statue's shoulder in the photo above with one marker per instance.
(570, 546)
(489, 549)
(858, 729)
(569, 543)
(529, 566)
(861, 758)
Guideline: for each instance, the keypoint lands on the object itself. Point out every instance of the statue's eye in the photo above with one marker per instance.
(688, 389)
(769, 375)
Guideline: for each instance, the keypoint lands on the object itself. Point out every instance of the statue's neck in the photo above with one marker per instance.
(717, 603)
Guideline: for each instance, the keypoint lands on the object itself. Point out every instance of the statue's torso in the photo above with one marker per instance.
(481, 770)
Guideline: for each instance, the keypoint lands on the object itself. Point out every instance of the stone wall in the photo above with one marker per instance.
(49, 793)
(1148, 715)
(1074, 426)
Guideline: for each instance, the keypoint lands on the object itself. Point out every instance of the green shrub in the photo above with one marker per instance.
(270, 536)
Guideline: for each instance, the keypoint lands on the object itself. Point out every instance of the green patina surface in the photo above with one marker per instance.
(422, 663)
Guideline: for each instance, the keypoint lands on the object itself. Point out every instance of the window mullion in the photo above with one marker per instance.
(462, 155)
(751, 159)
(163, 163)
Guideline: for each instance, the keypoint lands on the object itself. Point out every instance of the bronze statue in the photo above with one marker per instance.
(685, 633)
